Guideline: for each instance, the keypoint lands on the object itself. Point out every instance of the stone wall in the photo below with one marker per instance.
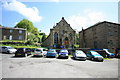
(63, 31)
(101, 35)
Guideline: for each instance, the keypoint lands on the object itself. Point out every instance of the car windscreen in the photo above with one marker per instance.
(65, 51)
(51, 50)
(10, 47)
(79, 52)
(95, 53)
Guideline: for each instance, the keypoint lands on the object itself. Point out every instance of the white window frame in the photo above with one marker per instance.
(20, 37)
(11, 30)
(10, 37)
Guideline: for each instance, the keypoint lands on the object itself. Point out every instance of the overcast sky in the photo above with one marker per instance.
(45, 14)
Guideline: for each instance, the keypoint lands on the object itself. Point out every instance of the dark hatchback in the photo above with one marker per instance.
(23, 52)
(94, 56)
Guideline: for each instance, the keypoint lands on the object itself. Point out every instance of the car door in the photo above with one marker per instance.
(89, 56)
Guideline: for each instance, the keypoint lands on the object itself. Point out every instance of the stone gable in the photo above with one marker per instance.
(61, 34)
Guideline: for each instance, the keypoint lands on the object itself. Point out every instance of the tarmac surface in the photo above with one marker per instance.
(41, 67)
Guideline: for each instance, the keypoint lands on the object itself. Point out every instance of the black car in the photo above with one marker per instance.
(94, 56)
(23, 52)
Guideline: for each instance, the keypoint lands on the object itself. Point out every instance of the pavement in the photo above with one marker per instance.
(40, 67)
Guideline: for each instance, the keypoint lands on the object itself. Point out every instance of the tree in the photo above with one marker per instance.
(32, 32)
(77, 39)
(43, 37)
(26, 24)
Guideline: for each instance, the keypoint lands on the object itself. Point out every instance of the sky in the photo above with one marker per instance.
(45, 14)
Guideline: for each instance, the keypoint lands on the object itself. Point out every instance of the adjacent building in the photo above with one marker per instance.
(61, 34)
(9, 33)
(101, 35)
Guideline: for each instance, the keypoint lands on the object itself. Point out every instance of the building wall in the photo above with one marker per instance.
(101, 35)
(15, 33)
(118, 37)
(64, 31)
(113, 36)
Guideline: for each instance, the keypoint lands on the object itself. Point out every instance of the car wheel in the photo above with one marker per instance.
(108, 56)
(67, 57)
(102, 60)
(8, 51)
(92, 59)
(26, 55)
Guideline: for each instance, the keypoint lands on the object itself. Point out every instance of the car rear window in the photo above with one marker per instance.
(38, 50)
(66, 51)
(51, 50)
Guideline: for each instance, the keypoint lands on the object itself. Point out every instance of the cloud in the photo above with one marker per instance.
(30, 13)
(88, 19)
(15, 23)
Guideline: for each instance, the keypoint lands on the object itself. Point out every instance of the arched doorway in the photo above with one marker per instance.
(66, 42)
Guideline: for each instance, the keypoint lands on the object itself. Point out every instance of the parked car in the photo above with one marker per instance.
(93, 55)
(51, 53)
(117, 53)
(109, 55)
(63, 53)
(7, 49)
(80, 55)
(23, 52)
(39, 52)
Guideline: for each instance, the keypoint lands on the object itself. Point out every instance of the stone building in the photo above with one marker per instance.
(9, 33)
(101, 35)
(61, 34)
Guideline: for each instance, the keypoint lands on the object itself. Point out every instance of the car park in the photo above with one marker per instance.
(39, 52)
(51, 53)
(63, 53)
(94, 56)
(23, 52)
(79, 55)
(7, 49)
(109, 55)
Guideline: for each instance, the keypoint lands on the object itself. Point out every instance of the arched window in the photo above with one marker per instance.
(66, 39)
(70, 36)
(55, 38)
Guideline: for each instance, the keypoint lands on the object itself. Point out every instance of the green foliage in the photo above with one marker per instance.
(26, 24)
(35, 31)
(30, 36)
(30, 42)
(43, 37)
(12, 41)
(22, 46)
(77, 46)
(77, 38)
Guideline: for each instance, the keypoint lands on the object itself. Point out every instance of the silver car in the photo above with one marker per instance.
(39, 52)
(7, 49)
(80, 55)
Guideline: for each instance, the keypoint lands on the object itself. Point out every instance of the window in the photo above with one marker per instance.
(11, 31)
(110, 33)
(4, 38)
(70, 36)
(56, 38)
(20, 31)
(10, 37)
(20, 37)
